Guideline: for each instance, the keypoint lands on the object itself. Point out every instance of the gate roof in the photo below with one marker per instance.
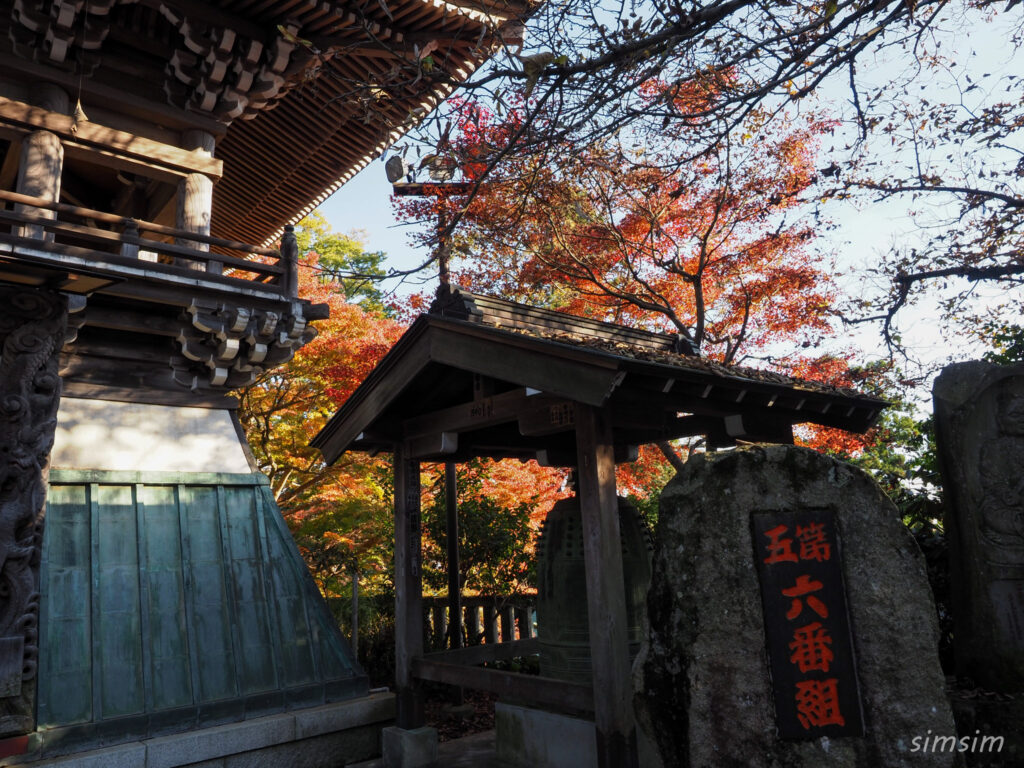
(480, 376)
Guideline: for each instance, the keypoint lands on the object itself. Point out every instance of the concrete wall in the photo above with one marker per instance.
(98, 434)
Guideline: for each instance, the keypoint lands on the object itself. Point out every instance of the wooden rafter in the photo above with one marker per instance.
(279, 64)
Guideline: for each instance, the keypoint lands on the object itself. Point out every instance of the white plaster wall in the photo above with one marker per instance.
(97, 434)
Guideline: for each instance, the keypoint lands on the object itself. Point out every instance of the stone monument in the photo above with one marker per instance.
(979, 424)
(791, 622)
(979, 430)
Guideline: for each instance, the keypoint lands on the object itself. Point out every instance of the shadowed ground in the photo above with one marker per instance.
(476, 751)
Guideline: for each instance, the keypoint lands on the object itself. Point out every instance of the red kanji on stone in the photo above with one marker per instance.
(810, 648)
(813, 543)
(817, 703)
(779, 550)
(805, 586)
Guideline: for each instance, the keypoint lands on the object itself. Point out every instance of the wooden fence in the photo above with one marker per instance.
(485, 620)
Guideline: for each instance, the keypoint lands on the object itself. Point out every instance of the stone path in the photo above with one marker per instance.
(476, 751)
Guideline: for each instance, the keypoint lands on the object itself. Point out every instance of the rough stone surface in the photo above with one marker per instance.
(412, 748)
(125, 756)
(475, 751)
(705, 692)
(538, 739)
(979, 423)
(321, 752)
(331, 718)
(532, 738)
(299, 739)
(221, 741)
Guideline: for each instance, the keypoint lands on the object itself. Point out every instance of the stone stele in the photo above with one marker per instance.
(979, 425)
(703, 682)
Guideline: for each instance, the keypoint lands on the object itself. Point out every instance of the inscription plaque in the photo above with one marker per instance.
(807, 624)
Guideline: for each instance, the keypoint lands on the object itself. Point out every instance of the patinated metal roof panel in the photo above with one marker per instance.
(176, 599)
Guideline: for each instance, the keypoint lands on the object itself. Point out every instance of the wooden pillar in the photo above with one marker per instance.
(438, 625)
(523, 622)
(42, 161)
(606, 594)
(355, 614)
(508, 626)
(33, 327)
(408, 589)
(451, 501)
(451, 496)
(195, 202)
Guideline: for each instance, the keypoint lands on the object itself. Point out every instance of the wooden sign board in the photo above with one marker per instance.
(807, 624)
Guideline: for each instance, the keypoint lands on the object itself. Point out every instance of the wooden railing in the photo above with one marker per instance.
(484, 620)
(111, 241)
(494, 629)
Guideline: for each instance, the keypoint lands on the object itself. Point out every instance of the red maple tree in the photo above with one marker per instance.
(720, 250)
(337, 512)
(341, 515)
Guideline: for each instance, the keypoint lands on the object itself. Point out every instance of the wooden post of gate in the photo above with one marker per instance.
(451, 491)
(454, 585)
(606, 594)
(355, 613)
(408, 589)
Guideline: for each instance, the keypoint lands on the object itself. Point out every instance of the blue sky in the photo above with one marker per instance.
(364, 204)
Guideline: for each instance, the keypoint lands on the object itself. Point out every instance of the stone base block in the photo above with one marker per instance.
(319, 737)
(534, 738)
(415, 748)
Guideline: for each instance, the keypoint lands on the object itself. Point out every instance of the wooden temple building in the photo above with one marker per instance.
(481, 376)
(152, 156)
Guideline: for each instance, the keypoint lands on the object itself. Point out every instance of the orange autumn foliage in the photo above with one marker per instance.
(336, 513)
(290, 404)
(509, 482)
(341, 516)
(719, 250)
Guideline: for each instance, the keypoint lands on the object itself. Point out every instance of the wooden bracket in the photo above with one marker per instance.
(433, 446)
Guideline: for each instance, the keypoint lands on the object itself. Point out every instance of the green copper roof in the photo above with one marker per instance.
(171, 601)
